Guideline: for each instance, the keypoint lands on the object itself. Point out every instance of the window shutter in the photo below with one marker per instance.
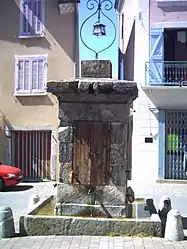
(38, 74)
(29, 18)
(24, 21)
(34, 79)
(32, 17)
(22, 76)
(156, 65)
(40, 20)
(30, 74)
(26, 75)
(41, 75)
(20, 79)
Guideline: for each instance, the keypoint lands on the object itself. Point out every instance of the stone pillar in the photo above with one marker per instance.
(96, 69)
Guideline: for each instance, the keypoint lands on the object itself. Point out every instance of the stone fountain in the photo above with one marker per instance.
(94, 145)
(95, 133)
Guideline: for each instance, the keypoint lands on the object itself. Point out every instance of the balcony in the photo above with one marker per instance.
(166, 73)
(171, 3)
(166, 84)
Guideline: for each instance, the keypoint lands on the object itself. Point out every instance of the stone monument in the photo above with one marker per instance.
(94, 144)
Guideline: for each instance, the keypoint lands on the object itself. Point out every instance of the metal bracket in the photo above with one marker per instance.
(153, 109)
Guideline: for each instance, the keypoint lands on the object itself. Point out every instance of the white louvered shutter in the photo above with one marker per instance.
(40, 17)
(24, 19)
(22, 76)
(41, 74)
(34, 74)
(38, 75)
(32, 17)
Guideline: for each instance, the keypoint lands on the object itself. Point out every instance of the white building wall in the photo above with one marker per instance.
(145, 124)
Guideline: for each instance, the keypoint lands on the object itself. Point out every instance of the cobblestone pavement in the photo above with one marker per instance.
(89, 242)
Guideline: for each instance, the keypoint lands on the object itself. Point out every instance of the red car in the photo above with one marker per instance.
(9, 176)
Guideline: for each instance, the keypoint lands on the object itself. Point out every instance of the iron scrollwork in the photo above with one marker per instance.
(100, 6)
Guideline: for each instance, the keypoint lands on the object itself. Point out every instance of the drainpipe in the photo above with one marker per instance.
(149, 24)
(75, 42)
(119, 49)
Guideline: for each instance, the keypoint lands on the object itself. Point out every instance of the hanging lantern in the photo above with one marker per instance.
(99, 29)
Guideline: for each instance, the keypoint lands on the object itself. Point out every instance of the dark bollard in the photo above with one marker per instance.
(164, 208)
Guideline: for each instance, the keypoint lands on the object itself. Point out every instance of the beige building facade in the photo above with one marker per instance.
(38, 42)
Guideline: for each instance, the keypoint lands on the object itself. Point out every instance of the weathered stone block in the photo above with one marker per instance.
(114, 195)
(33, 225)
(119, 133)
(67, 193)
(127, 91)
(118, 175)
(66, 173)
(86, 210)
(65, 134)
(108, 195)
(118, 155)
(65, 152)
(69, 112)
(96, 69)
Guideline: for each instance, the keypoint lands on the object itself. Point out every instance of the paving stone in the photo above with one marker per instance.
(63, 242)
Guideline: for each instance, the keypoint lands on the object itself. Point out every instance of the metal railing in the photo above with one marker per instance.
(166, 73)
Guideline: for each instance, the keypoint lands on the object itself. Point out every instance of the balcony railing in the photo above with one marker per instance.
(166, 73)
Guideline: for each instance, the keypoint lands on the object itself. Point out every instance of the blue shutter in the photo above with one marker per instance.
(161, 144)
(156, 65)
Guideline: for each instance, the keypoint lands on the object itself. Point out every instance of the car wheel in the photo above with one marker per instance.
(2, 184)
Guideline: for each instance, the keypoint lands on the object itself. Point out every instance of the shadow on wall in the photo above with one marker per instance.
(4, 139)
(55, 23)
(1, 143)
(35, 101)
(174, 9)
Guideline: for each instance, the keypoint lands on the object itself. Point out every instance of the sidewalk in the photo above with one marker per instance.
(88, 242)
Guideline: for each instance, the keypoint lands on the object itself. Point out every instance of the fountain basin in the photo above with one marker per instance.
(36, 225)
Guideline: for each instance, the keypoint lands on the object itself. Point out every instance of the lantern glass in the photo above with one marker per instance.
(99, 29)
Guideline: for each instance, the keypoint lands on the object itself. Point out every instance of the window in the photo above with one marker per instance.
(30, 74)
(31, 18)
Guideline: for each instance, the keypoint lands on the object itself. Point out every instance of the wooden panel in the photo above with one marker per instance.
(31, 152)
(82, 161)
(90, 164)
(99, 149)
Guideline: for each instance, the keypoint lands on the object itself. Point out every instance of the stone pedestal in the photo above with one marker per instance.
(94, 135)
(174, 229)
